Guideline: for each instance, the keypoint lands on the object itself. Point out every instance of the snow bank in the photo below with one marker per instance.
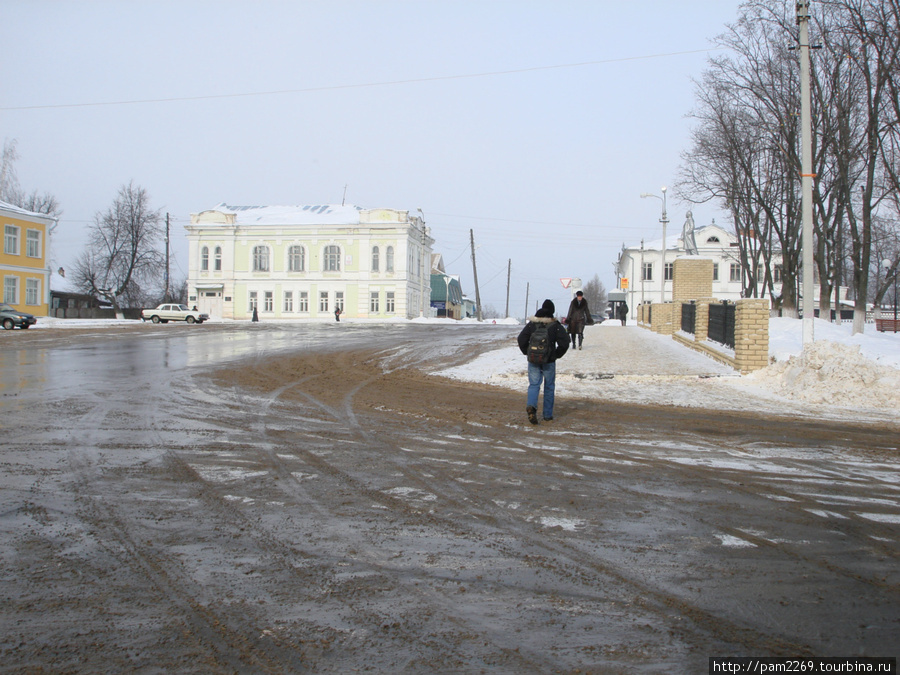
(832, 373)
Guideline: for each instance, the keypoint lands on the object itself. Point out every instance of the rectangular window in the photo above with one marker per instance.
(288, 301)
(11, 290)
(269, 301)
(389, 302)
(323, 301)
(373, 302)
(303, 301)
(218, 258)
(33, 243)
(339, 300)
(670, 271)
(32, 291)
(647, 272)
(254, 300)
(296, 259)
(715, 271)
(735, 272)
(776, 274)
(332, 261)
(11, 240)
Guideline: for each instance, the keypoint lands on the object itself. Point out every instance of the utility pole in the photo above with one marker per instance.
(166, 294)
(806, 175)
(508, 274)
(475, 274)
(527, 292)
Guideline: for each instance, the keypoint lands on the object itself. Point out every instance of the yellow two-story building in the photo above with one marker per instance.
(23, 259)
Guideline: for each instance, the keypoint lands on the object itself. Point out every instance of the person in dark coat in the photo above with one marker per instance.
(578, 317)
(545, 372)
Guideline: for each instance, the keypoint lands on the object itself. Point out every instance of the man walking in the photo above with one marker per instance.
(543, 341)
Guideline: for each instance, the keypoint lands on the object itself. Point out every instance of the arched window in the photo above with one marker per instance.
(218, 261)
(374, 258)
(389, 259)
(713, 240)
(332, 258)
(296, 259)
(204, 259)
(260, 258)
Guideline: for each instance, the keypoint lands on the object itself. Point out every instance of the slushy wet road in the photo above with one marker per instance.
(303, 498)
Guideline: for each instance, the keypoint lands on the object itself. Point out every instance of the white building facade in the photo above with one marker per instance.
(304, 262)
(649, 280)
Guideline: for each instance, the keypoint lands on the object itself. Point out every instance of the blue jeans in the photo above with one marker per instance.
(547, 373)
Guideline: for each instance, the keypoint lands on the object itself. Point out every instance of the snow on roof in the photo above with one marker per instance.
(325, 214)
(24, 212)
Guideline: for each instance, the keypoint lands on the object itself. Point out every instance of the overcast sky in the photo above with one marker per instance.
(535, 124)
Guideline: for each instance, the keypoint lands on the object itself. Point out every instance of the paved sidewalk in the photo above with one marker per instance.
(630, 350)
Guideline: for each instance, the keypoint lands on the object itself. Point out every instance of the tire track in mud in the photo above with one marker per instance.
(441, 611)
(226, 643)
(555, 556)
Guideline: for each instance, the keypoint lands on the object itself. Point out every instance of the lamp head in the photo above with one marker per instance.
(664, 189)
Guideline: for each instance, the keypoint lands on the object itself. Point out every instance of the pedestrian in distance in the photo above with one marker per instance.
(578, 317)
(623, 313)
(543, 341)
(337, 314)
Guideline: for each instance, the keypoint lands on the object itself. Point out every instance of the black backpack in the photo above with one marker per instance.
(540, 344)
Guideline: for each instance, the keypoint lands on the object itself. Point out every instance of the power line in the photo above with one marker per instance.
(339, 87)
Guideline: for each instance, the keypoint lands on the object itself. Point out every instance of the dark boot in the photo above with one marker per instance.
(532, 414)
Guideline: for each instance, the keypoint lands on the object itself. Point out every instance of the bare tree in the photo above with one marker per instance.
(11, 193)
(595, 294)
(746, 147)
(121, 255)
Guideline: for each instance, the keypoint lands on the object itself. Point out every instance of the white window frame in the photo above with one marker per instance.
(374, 304)
(268, 301)
(323, 301)
(33, 243)
(339, 300)
(389, 259)
(11, 290)
(32, 292)
(204, 259)
(303, 301)
(11, 239)
(288, 302)
(261, 258)
(296, 258)
(331, 258)
(218, 260)
(389, 303)
(375, 258)
(647, 271)
(734, 273)
(253, 302)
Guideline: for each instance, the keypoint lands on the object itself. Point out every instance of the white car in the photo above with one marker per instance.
(172, 312)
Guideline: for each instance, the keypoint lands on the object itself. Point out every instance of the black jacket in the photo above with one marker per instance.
(579, 316)
(556, 332)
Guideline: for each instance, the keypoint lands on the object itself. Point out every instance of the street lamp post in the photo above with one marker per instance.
(664, 220)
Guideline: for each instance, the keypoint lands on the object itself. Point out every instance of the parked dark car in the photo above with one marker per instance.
(10, 317)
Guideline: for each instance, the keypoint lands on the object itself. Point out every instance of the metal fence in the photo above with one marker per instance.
(688, 317)
(721, 323)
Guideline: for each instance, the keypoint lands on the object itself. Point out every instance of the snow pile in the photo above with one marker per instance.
(832, 373)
